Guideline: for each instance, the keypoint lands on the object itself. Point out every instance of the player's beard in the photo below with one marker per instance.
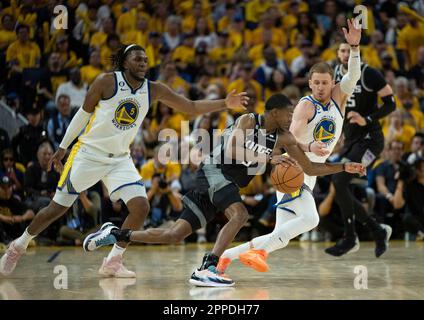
(136, 77)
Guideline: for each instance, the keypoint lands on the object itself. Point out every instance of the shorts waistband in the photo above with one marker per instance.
(97, 152)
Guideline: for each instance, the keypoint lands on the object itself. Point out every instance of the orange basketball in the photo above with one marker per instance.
(287, 179)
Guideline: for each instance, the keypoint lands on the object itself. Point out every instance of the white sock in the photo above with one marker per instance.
(24, 239)
(116, 251)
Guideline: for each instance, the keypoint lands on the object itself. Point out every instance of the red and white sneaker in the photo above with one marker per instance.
(115, 268)
(10, 259)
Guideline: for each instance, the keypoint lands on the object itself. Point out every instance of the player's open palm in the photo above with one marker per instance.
(353, 167)
(56, 160)
(353, 33)
(234, 101)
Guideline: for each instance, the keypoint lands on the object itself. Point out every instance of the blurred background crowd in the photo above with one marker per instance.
(202, 49)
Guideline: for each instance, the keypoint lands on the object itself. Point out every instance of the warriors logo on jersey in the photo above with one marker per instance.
(126, 114)
(325, 130)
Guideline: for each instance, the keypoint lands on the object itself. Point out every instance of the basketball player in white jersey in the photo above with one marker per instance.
(317, 120)
(111, 115)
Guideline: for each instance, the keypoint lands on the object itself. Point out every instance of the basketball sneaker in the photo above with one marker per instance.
(10, 258)
(343, 246)
(223, 264)
(255, 259)
(210, 277)
(114, 267)
(101, 238)
(382, 240)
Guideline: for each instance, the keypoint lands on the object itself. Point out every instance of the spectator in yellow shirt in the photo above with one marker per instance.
(7, 35)
(169, 170)
(192, 18)
(93, 69)
(410, 38)
(184, 54)
(23, 53)
(256, 52)
(278, 37)
(225, 21)
(139, 34)
(306, 26)
(239, 35)
(398, 130)
(127, 20)
(169, 76)
(157, 22)
(254, 10)
(68, 58)
(375, 49)
(223, 52)
(408, 103)
(244, 79)
(107, 51)
(98, 40)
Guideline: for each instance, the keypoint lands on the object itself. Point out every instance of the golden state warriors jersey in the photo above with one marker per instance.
(115, 121)
(326, 126)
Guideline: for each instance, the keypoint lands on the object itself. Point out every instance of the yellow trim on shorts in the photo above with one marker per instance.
(68, 164)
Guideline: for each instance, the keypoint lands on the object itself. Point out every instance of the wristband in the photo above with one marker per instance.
(309, 146)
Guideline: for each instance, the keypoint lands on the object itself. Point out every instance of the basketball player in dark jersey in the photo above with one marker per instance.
(245, 148)
(364, 141)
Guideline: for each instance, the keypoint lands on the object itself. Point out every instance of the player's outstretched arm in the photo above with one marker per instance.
(348, 83)
(165, 94)
(313, 168)
(81, 118)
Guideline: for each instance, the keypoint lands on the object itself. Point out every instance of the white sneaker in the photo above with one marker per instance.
(100, 238)
(10, 258)
(305, 237)
(210, 278)
(115, 268)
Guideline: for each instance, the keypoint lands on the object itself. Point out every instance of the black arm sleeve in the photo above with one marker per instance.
(388, 107)
(375, 81)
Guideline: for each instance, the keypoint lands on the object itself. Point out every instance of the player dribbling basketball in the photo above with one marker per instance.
(317, 120)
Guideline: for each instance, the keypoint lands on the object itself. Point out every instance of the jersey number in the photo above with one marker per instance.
(351, 103)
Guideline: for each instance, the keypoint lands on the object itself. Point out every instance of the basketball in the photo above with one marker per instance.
(287, 179)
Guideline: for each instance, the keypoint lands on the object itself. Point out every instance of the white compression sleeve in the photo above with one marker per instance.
(349, 80)
(79, 121)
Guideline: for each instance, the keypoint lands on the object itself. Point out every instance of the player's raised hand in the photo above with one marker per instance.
(353, 167)
(234, 101)
(319, 148)
(56, 160)
(353, 35)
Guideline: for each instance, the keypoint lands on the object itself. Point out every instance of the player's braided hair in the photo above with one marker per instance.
(119, 58)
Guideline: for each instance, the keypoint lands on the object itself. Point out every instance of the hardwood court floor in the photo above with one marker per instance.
(300, 271)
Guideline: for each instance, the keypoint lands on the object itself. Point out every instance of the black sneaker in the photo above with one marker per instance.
(382, 240)
(343, 246)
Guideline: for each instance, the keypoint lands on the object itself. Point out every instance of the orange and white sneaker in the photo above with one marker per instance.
(223, 265)
(10, 258)
(115, 268)
(255, 259)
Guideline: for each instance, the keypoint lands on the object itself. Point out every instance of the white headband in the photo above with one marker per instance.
(130, 46)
